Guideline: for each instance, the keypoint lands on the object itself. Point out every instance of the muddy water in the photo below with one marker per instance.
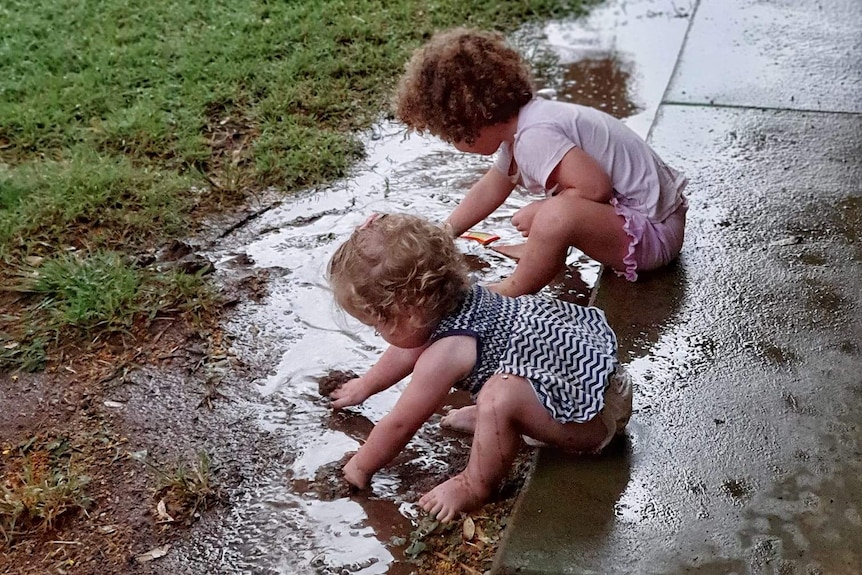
(296, 519)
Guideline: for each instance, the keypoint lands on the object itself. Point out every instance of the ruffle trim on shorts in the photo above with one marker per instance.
(634, 228)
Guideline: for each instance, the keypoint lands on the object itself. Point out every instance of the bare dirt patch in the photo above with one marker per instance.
(66, 403)
(95, 401)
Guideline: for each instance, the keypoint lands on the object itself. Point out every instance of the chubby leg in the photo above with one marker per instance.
(506, 407)
(559, 222)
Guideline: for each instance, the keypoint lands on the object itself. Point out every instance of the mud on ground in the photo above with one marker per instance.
(129, 413)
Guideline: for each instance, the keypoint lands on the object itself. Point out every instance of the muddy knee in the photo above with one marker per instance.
(500, 396)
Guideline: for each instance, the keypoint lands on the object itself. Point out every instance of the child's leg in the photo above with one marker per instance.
(506, 407)
(562, 221)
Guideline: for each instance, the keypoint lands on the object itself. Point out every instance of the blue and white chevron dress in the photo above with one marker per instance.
(567, 352)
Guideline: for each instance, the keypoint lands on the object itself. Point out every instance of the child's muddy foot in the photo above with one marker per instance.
(462, 419)
(514, 251)
(533, 442)
(450, 498)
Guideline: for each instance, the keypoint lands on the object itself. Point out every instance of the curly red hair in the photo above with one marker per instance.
(461, 81)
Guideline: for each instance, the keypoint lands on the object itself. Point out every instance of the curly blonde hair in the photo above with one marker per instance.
(396, 264)
(461, 81)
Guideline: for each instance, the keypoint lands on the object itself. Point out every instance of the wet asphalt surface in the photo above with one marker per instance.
(743, 455)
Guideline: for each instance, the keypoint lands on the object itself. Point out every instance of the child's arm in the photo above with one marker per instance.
(394, 365)
(579, 172)
(443, 364)
(484, 197)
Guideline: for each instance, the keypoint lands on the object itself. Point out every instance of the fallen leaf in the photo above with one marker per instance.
(788, 241)
(162, 512)
(468, 529)
(153, 554)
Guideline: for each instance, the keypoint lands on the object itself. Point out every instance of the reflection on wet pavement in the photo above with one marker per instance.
(619, 60)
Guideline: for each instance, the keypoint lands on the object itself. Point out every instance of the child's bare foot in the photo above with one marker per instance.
(462, 419)
(514, 251)
(450, 498)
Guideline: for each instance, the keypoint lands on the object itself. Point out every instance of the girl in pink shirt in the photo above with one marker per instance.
(601, 188)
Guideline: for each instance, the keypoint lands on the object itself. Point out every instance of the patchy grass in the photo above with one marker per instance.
(39, 484)
(91, 297)
(87, 201)
(30, 355)
(94, 292)
(183, 490)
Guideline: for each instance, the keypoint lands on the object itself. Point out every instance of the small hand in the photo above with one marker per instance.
(522, 224)
(355, 476)
(523, 218)
(353, 392)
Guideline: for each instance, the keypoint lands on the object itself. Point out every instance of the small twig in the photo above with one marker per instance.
(469, 569)
(161, 333)
(123, 367)
(198, 365)
(254, 215)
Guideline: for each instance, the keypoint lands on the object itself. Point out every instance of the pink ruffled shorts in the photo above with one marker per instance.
(652, 245)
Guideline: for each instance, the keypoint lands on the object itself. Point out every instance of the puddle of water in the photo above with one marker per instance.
(619, 60)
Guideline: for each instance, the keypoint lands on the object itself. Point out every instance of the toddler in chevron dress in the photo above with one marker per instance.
(535, 366)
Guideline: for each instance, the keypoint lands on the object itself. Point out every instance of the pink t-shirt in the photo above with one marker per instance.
(547, 130)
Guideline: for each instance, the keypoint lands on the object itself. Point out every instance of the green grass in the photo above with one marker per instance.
(121, 120)
(106, 292)
(89, 293)
(92, 296)
(87, 201)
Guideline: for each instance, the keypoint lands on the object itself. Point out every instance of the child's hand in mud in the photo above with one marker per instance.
(333, 380)
(352, 392)
(354, 475)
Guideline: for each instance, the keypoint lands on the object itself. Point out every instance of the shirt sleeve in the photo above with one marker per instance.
(503, 160)
(538, 151)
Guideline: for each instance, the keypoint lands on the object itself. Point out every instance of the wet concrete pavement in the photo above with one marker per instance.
(744, 454)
